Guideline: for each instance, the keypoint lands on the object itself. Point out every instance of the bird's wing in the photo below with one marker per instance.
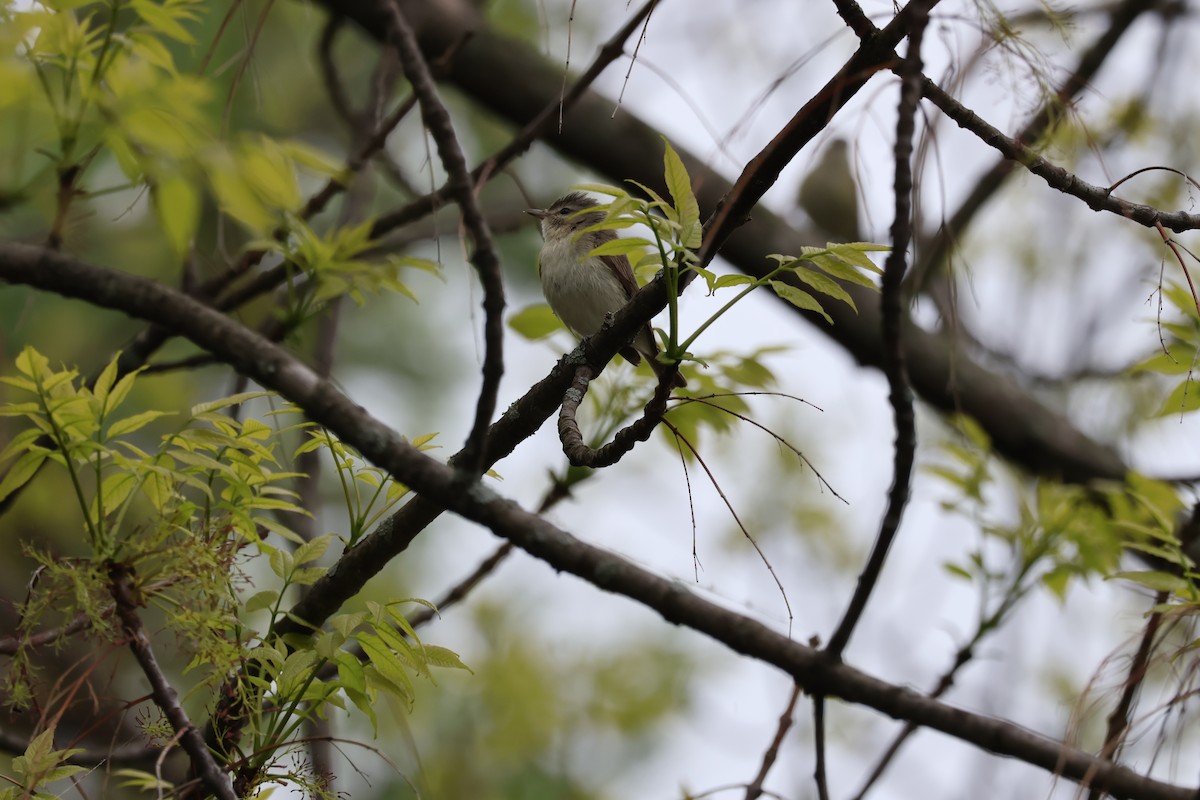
(619, 267)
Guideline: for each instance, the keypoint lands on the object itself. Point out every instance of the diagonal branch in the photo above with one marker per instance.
(875, 53)
(203, 763)
(505, 76)
(483, 257)
(274, 368)
(934, 256)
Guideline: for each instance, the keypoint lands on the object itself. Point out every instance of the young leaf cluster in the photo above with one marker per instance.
(187, 519)
(1063, 532)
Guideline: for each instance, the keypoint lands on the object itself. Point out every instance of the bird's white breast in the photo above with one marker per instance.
(580, 293)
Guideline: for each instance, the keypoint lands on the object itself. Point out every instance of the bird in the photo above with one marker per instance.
(584, 290)
(829, 194)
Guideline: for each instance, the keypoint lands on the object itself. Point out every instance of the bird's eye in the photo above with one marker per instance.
(562, 212)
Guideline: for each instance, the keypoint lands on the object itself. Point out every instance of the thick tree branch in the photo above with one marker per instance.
(274, 368)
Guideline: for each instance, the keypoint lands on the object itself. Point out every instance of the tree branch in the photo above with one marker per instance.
(203, 764)
(893, 331)
(577, 451)
(483, 255)
(509, 78)
(755, 789)
(274, 368)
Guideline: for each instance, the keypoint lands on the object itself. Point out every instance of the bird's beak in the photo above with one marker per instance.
(540, 213)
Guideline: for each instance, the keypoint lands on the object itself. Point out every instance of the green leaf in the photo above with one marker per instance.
(32, 364)
(261, 601)
(237, 198)
(136, 422)
(145, 781)
(158, 17)
(266, 167)
(225, 402)
(732, 279)
(535, 322)
(957, 571)
(621, 247)
(389, 666)
(835, 266)
(601, 188)
(824, 285)
(115, 489)
(20, 443)
(441, 657)
(312, 551)
(679, 184)
(350, 672)
(800, 299)
(1157, 581)
(21, 471)
(1179, 359)
(855, 253)
(1184, 397)
(313, 159)
(178, 205)
(104, 382)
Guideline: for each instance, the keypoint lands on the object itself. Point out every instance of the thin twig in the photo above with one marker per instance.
(578, 452)
(11, 645)
(484, 257)
(736, 519)
(782, 442)
(755, 789)
(873, 55)
(334, 87)
(203, 764)
(819, 776)
(632, 60)
(936, 252)
(541, 124)
(899, 393)
(1097, 198)
(460, 590)
(1174, 247)
(1118, 720)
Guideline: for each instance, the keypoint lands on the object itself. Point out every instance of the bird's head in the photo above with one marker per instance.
(562, 219)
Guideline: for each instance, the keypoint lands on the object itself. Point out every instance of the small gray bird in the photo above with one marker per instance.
(582, 291)
(829, 194)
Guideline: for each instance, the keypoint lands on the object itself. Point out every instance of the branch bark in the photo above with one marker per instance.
(274, 368)
(510, 79)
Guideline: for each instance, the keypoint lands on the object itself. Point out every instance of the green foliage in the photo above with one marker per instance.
(369, 492)
(1180, 353)
(1063, 532)
(103, 89)
(677, 231)
(717, 401)
(40, 765)
(186, 519)
(535, 322)
(545, 720)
